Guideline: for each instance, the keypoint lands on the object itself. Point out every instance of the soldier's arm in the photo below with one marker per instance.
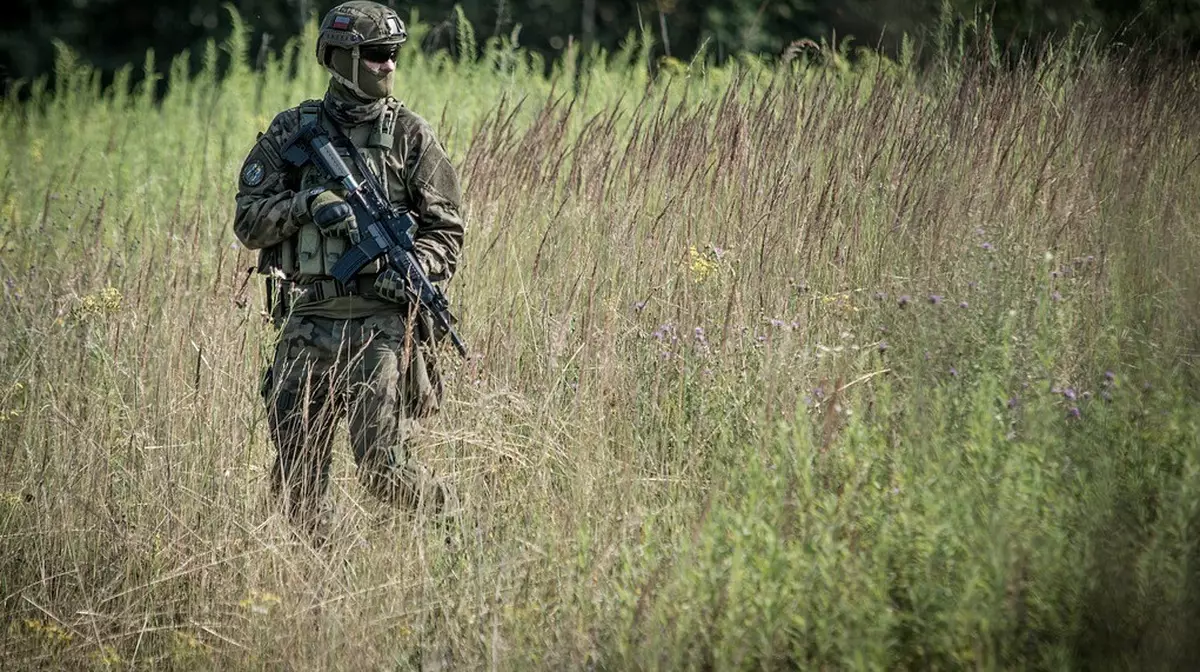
(437, 197)
(269, 210)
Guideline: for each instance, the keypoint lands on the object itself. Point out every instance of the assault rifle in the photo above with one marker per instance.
(383, 229)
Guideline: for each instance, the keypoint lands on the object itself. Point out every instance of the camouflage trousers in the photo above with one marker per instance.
(370, 371)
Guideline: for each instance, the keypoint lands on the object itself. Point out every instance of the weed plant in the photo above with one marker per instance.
(820, 364)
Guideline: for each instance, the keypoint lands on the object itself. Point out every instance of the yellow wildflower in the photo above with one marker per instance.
(186, 640)
(10, 212)
(842, 302)
(49, 632)
(14, 398)
(259, 602)
(107, 657)
(102, 303)
(700, 265)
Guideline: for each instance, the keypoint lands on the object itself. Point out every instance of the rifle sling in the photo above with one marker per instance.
(361, 163)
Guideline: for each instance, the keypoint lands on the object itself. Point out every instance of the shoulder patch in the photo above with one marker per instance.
(252, 174)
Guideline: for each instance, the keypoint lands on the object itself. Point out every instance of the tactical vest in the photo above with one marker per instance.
(307, 257)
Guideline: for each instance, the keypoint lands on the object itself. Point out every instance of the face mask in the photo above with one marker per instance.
(370, 85)
(375, 85)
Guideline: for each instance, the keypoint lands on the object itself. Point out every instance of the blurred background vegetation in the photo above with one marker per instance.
(111, 33)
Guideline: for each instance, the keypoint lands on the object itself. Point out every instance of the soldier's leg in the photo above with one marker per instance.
(301, 415)
(379, 426)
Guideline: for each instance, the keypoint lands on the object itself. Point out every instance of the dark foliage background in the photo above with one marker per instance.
(111, 33)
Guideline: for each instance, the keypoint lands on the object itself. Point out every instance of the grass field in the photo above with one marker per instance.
(809, 365)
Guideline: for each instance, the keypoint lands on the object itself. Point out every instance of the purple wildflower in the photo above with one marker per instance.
(718, 252)
(1013, 402)
(935, 299)
(1109, 377)
(1069, 394)
(1073, 413)
(639, 306)
(904, 300)
(953, 372)
(777, 323)
(987, 247)
(883, 346)
(963, 304)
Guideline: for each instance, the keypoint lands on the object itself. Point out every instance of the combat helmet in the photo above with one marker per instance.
(351, 26)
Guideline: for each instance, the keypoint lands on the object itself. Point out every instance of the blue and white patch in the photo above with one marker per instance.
(252, 174)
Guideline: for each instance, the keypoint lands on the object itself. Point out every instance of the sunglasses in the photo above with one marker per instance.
(379, 53)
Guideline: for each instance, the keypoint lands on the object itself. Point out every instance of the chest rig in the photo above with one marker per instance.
(315, 253)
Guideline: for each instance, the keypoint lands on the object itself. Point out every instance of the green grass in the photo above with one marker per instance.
(795, 366)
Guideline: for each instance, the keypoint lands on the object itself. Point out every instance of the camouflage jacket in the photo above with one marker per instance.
(417, 174)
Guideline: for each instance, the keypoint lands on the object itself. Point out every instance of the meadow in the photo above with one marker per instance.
(822, 363)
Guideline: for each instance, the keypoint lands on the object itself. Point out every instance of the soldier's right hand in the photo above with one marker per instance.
(331, 213)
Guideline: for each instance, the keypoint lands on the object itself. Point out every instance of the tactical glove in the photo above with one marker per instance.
(332, 214)
(392, 286)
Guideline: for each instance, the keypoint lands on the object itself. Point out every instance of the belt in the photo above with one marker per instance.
(319, 290)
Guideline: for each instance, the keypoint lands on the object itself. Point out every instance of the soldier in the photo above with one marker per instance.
(345, 350)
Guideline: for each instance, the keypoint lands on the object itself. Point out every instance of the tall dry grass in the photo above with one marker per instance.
(773, 366)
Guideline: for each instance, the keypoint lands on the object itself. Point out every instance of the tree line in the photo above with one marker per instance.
(112, 33)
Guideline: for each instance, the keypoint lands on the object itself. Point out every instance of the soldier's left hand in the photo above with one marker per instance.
(332, 214)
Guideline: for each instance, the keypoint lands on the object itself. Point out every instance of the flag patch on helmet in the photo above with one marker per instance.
(341, 22)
